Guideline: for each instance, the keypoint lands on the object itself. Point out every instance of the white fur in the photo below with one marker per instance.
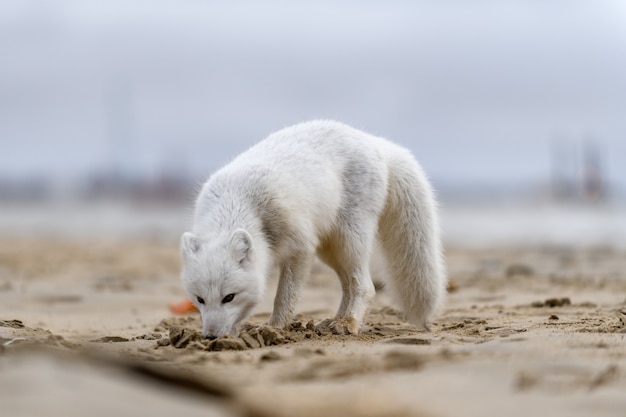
(316, 188)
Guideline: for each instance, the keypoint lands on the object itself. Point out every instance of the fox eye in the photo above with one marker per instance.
(200, 300)
(228, 298)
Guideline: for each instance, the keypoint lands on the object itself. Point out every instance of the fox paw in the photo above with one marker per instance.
(340, 326)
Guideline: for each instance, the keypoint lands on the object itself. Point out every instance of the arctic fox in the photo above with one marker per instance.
(317, 188)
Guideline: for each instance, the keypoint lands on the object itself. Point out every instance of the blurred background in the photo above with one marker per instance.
(111, 113)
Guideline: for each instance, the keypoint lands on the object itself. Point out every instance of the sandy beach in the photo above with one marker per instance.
(526, 330)
(113, 114)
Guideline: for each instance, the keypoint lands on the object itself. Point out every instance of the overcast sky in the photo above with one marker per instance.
(478, 90)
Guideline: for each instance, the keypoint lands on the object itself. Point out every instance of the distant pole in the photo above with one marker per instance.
(591, 178)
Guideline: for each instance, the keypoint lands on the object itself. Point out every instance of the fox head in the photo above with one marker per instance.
(224, 277)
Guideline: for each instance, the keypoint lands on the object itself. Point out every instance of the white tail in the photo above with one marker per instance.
(408, 230)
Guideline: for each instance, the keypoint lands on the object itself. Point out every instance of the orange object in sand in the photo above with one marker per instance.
(183, 307)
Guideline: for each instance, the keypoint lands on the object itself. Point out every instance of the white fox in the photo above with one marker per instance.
(317, 188)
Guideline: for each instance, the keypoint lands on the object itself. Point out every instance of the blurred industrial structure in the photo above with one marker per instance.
(578, 172)
(577, 176)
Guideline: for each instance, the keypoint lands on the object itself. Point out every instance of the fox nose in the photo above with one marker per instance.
(211, 337)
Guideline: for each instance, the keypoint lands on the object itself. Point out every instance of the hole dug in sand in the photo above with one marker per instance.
(182, 333)
(249, 338)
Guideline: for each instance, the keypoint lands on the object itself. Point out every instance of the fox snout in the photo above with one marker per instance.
(212, 330)
(212, 333)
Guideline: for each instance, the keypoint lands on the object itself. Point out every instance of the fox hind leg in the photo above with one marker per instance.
(348, 254)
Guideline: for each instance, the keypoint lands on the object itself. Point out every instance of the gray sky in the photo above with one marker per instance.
(478, 90)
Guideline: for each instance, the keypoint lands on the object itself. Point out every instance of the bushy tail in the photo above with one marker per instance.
(410, 239)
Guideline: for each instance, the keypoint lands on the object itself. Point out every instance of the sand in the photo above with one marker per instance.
(85, 330)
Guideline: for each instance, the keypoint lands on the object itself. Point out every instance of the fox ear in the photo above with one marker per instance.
(241, 246)
(189, 243)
